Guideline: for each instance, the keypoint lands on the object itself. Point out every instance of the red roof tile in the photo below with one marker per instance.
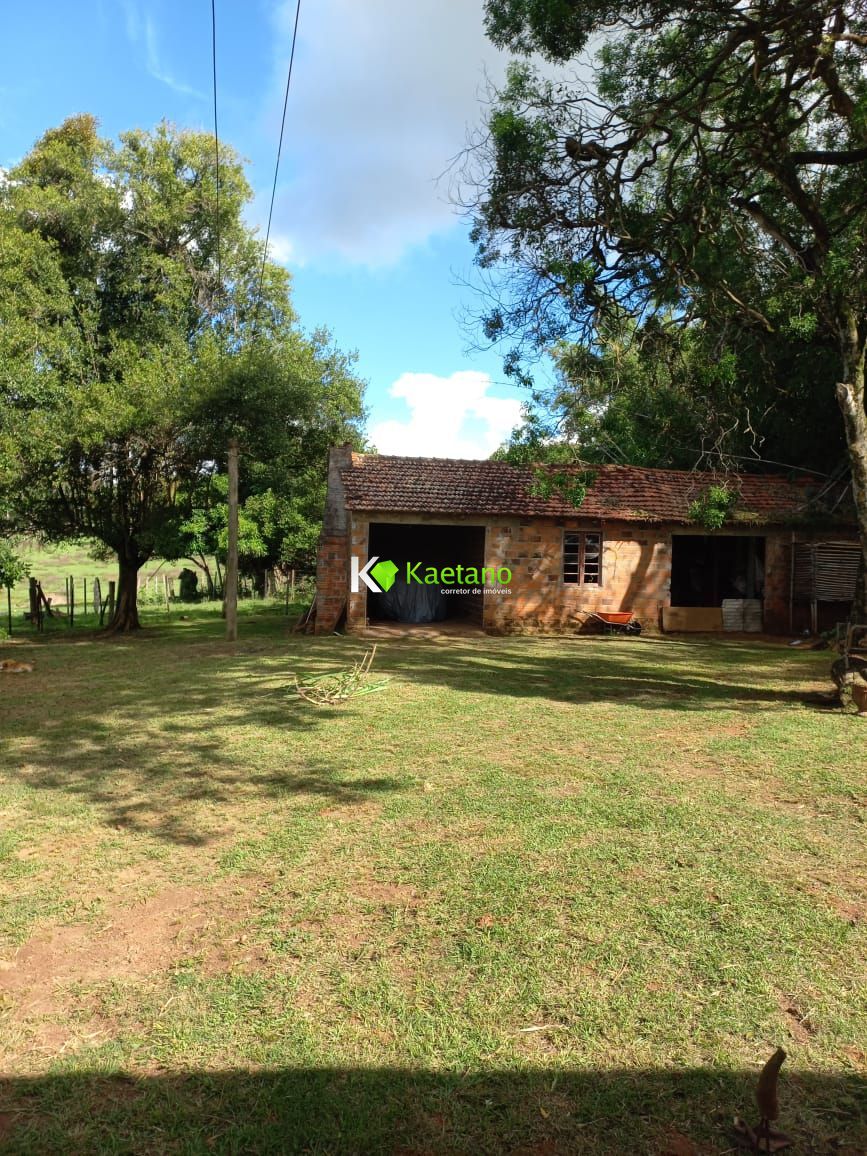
(620, 493)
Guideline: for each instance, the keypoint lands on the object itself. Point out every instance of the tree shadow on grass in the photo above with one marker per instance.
(149, 729)
(650, 674)
(148, 732)
(367, 1111)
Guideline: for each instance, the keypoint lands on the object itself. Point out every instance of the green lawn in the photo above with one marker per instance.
(539, 896)
(52, 565)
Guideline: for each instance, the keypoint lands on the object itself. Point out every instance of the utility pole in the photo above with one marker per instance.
(231, 593)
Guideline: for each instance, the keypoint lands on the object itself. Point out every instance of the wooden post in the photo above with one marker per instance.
(84, 580)
(9, 608)
(792, 583)
(112, 586)
(71, 602)
(66, 588)
(231, 592)
(167, 588)
(34, 601)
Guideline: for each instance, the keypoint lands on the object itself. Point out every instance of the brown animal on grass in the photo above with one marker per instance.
(12, 666)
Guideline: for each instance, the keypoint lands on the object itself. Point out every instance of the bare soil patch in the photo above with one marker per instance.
(128, 942)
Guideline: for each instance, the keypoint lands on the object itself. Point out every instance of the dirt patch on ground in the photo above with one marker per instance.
(801, 1028)
(126, 943)
(355, 812)
(386, 894)
(851, 913)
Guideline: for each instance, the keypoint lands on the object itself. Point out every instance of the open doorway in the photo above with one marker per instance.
(423, 546)
(707, 569)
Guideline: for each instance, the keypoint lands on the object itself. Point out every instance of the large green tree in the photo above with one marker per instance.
(134, 341)
(713, 162)
(675, 396)
(283, 463)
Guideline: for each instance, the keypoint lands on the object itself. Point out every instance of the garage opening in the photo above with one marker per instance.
(437, 546)
(717, 583)
(706, 570)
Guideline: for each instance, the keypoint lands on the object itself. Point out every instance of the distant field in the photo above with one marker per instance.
(52, 565)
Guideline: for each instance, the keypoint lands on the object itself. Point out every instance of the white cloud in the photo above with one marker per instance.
(452, 417)
(281, 249)
(138, 28)
(383, 93)
(158, 71)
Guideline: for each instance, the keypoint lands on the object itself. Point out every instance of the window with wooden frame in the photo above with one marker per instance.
(582, 558)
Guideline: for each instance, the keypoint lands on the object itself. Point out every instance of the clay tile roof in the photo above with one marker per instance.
(620, 493)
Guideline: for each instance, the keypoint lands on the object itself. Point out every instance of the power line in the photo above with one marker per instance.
(217, 160)
(276, 167)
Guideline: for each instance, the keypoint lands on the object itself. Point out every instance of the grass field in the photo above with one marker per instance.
(539, 896)
(52, 565)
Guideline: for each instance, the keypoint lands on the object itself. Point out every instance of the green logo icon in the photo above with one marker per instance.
(384, 573)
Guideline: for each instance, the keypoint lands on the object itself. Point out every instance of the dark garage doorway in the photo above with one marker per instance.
(708, 568)
(429, 545)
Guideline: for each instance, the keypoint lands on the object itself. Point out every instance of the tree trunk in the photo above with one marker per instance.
(202, 565)
(209, 578)
(125, 617)
(259, 574)
(851, 397)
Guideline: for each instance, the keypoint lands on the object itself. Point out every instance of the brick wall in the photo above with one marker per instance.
(636, 572)
(331, 582)
(359, 528)
(636, 569)
(332, 559)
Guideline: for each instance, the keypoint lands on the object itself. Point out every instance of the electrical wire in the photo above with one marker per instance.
(276, 169)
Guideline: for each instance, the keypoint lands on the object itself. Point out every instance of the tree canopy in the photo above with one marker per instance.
(134, 342)
(679, 397)
(711, 166)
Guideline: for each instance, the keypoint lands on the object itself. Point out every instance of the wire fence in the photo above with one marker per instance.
(90, 602)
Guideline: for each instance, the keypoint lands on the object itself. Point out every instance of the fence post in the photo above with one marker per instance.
(111, 595)
(71, 601)
(9, 607)
(84, 580)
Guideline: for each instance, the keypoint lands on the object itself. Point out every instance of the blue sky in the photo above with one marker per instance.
(383, 95)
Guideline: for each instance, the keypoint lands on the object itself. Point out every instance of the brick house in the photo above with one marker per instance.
(481, 528)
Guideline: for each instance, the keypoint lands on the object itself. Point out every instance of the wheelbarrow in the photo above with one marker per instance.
(616, 622)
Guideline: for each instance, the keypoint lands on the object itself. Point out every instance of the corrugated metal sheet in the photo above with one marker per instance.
(826, 571)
